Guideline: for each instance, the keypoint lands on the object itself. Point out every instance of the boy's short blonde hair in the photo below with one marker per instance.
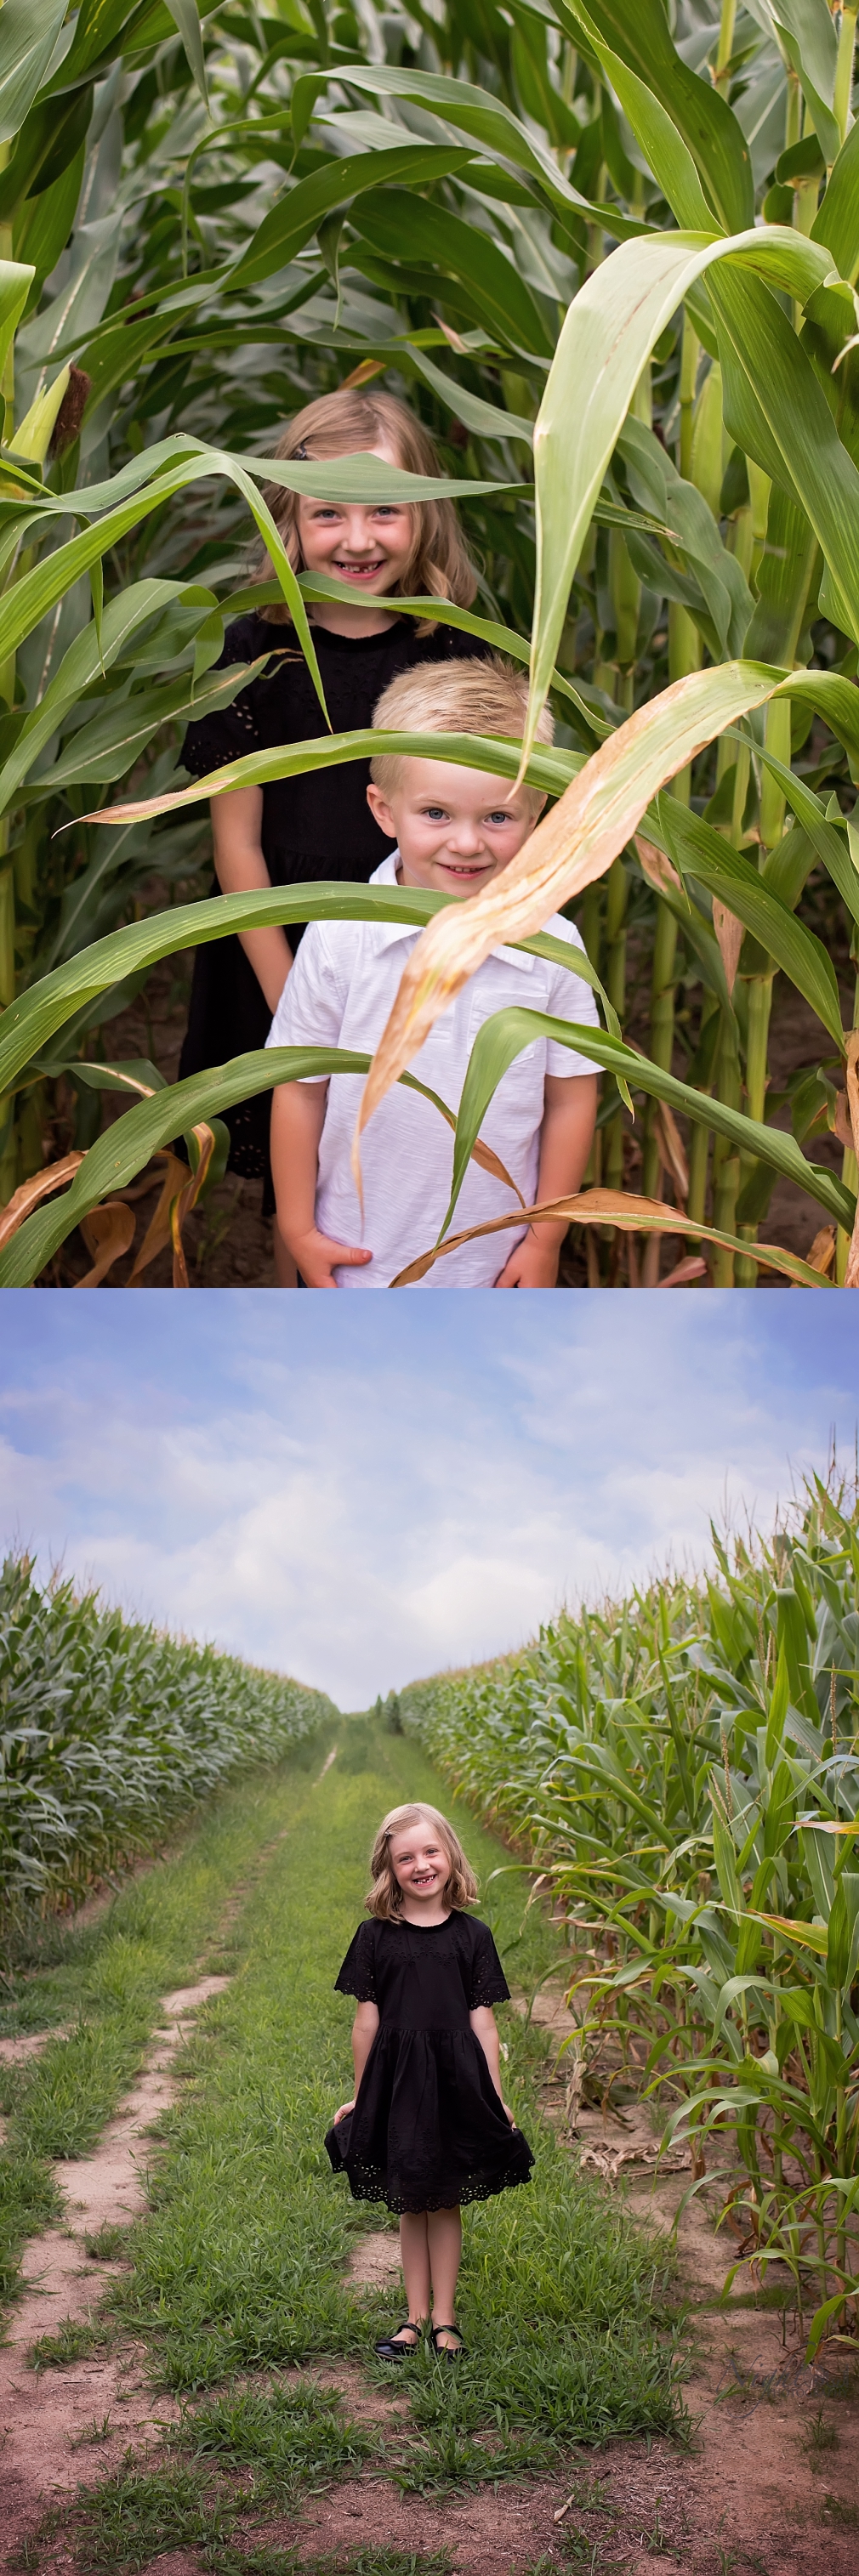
(385, 1896)
(453, 697)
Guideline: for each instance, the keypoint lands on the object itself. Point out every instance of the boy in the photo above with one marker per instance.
(456, 829)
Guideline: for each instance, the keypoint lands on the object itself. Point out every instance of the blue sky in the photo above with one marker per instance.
(363, 1490)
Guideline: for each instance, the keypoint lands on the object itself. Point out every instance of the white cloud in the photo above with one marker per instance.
(359, 1500)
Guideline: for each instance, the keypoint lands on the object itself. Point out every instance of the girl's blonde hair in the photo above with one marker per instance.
(464, 696)
(385, 1896)
(349, 423)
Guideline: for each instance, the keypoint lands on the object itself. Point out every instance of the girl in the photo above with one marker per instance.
(427, 2127)
(316, 826)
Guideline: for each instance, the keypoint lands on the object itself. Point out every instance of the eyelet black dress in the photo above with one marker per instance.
(314, 827)
(428, 2130)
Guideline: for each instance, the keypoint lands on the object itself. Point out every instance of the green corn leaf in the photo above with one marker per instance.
(107, 747)
(784, 574)
(777, 1710)
(187, 18)
(487, 419)
(502, 1038)
(808, 35)
(405, 227)
(490, 124)
(725, 1857)
(29, 30)
(821, 2319)
(711, 134)
(705, 854)
(609, 333)
(32, 1019)
(743, 1983)
(826, 840)
(849, 1886)
(293, 220)
(671, 162)
(549, 770)
(80, 666)
(838, 1942)
(776, 408)
(16, 279)
(837, 219)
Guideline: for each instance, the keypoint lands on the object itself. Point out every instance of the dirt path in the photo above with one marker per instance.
(49, 2414)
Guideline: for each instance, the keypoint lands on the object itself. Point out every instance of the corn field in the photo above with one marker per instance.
(610, 255)
(112, 1731)
(683, 1770)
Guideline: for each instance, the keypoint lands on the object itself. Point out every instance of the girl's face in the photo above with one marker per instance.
(368, 546)
(420, 1862)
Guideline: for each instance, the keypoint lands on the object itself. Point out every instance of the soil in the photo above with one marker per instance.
(767, 2486)
(228, 1243)
(49, 2413)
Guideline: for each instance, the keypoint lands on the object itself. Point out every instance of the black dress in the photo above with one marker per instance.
(314, 827)
(427, 2130)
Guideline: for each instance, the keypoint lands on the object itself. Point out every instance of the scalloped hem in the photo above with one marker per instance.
(370, 2184)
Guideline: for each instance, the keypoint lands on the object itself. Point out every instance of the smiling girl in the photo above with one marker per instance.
(319, 825)
(427, 2127)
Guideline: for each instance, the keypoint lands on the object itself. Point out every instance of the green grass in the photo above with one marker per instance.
(104, 1981)
(289, 2437)
(73, 2341)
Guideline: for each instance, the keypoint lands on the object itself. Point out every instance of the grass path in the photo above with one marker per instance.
(238, 2280)
(97, 1985)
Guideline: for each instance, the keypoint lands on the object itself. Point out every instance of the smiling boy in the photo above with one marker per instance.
(456, 829)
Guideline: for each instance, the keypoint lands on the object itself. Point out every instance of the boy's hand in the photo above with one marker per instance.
(316, 1255)
(534, 1264)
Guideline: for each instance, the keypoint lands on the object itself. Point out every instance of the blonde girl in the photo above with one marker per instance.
(318, 825)
(427, 2127)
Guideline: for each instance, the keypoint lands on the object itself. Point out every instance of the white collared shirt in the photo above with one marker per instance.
(339, 993)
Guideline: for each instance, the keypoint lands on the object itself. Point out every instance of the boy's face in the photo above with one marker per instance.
(456, 828)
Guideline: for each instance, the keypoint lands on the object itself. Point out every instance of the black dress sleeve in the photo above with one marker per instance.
(488, 1982)
(358, 1974)
(230, 732)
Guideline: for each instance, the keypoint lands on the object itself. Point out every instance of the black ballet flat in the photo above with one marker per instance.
(389, 2348)
(442, 2350)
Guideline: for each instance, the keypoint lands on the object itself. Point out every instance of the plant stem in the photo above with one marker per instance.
(689, 356)
(849, 1167)
(725, 45)
(615, 984)
(844, 67)
(777, 741)
(726, 1160)
(760, 991)
(661, 1027)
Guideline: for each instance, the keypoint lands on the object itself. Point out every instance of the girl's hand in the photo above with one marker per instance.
(344, 2107)
(510, 2114)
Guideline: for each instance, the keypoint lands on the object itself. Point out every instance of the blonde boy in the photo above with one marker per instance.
(455, 829)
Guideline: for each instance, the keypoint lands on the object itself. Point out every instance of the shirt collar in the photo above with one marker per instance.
(386, 932)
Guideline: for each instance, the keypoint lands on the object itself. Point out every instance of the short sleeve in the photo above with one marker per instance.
(310, 1010)
(570, 999)
(358, 1974)
(488, 1982)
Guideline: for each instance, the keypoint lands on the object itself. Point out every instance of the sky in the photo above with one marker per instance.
(363, 1497)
